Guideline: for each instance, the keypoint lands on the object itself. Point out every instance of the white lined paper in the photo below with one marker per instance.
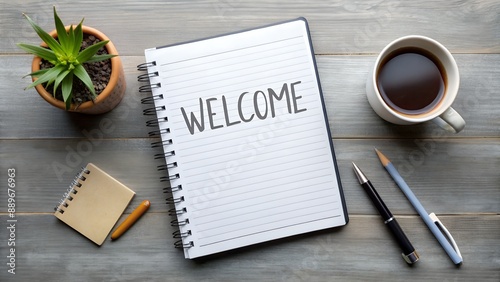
(252, 181)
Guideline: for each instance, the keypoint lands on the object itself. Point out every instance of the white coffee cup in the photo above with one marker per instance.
(442, 113)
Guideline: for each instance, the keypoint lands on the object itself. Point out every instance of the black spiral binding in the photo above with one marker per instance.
(151, 100)
(179, 234)
(152, 111)
(156, 122)
(179, 244)
(72, 190)
(149, 87)
(172, 200)
(172, 189)
(183, 235)
(145, 66)
(167, 166)
(170, 177)
(175, 212)
(145, 77)
(158, 133)
(161, 143)
(164, 155)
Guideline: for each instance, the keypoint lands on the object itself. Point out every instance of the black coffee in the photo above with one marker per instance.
(411, 81)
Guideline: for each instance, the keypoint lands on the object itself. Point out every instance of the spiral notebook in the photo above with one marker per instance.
(93, 203)
(246, 141)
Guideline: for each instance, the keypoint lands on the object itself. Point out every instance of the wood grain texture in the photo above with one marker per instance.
(338, 27)
(455, 176)
(343, 79)
(443, 174)
(17, 122)
(363, 250)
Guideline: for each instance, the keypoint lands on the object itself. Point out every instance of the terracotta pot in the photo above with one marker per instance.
(108, 98)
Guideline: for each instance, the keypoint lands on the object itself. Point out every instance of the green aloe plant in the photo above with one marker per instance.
(64, 53)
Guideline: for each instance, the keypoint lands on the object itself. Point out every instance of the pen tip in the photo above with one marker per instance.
(356, 168)
(359, 174)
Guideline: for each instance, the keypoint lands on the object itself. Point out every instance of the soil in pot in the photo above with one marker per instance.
(99, 72)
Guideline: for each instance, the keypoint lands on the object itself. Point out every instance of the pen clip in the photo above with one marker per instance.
(441, 226)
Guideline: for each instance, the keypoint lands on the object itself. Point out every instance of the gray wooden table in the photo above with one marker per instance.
(455, 176)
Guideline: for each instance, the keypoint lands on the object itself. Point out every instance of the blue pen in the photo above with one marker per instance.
(452, 252)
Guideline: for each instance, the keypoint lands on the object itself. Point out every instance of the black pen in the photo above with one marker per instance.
(409, 254)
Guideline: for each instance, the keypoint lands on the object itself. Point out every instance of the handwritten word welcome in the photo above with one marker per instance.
(260, 111)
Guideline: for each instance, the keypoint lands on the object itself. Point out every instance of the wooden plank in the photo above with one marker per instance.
(446, 175)
(45, 168)
(343, 79)
(338, 27)
(364, 249)
(24, 114)
(455, 176)
(449, 176)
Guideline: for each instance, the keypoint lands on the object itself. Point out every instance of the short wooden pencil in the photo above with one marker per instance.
(131, 219)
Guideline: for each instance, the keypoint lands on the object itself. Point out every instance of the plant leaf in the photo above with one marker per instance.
(78, 38)
(82, 74)
(60, 78)
(71, 41)
(62, 35)
(98, 58)
(41, 52)
(66, 89)
(90, 51)
(49, 40)
(49, 76)
(37, 73)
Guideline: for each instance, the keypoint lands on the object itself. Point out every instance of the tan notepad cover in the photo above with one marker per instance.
(97, 205)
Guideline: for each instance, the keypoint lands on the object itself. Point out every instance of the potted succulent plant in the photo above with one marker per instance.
(76, 68)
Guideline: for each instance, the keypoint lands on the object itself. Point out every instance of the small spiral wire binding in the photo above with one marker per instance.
(145, 66)
(156, 122)
(75, 183)
(151, 99)
(165, 155)
(172, 189)
(152, 111)
(149, 87)
(177, 222)
(161, 143)
(164, 142)
(179, 234)
(156, 133)
(167, 166)
(175, 212)
(172, 200)
(170, 177)
(180, 245)
(145, 77)
(176, 188)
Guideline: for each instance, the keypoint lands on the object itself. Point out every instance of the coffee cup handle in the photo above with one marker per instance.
(450, 120)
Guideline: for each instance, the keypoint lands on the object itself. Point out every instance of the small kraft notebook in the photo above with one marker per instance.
(245, 135)
(93, 203)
